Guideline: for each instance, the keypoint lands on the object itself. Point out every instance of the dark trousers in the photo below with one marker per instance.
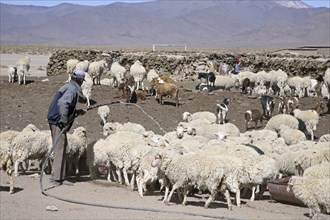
(59, 164)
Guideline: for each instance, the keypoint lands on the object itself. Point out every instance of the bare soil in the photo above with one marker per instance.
(21, 105)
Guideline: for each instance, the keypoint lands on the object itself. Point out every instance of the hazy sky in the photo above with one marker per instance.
(315, 3)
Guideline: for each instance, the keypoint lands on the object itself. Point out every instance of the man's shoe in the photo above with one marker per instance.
(62, 182)
(57, 182)
(67, 183)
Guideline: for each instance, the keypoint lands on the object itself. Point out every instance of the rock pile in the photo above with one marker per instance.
(182, 65)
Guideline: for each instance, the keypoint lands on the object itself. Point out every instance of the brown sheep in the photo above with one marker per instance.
(165, 89)
(252, 115)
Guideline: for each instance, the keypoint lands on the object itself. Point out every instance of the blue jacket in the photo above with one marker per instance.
(62, 109)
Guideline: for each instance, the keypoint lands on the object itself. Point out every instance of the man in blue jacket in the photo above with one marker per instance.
(61, 114)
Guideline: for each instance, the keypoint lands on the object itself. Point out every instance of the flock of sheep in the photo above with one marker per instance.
(205, 151)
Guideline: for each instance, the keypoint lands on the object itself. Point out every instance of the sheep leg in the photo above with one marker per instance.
(185, 192)
(76, 164)
(167, 189)
(253, 193)
(126, 177)
(120, 180)
(227, 195)
(17, 163)
(132, 183)
(24, 78)
(210, 199)
(174, 187)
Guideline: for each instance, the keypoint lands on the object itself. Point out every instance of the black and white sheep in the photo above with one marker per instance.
(221, 111)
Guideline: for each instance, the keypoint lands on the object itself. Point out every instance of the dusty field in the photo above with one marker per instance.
(21, 105)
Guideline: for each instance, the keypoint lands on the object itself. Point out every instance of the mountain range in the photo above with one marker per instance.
(195, 23)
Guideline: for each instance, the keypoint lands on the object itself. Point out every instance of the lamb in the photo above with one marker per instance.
(96, 69)
(209, 76)
(139, 73)
(247, 86)
(288, 104)
(268, 105)
(187, 117)
(118, 73)
(86, 88)
(103, 112)
(291, 136)
(282, 119)
(12, 73)
(23, 66)
(308, 120)
(166, 89)
(77, 145)
(252, 115)
(221, 111)
(111, 128)
(312, 192)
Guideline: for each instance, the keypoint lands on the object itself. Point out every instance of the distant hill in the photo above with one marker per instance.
(211, 23)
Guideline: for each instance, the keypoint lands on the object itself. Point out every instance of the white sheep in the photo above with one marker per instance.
(6, 163)
(279, 77)
(152, 74)
(309, 120)
(12, 73)
(118, 73)
(30, 145)
(225, 82)
(187, 116)
(325, 138)
(82, 65)
(318, 171)
(139, 73)
(291, 136)
(196, 170)
(77, 145)
(103, 112)
(296, 84)
(306, 83)
(23, 66)
(310, 157)
(110, 128)
(96, 69)
(313, 192)
(275, 122)
(86, 88)
(70, 66)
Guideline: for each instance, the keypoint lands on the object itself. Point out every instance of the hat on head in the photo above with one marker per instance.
(78, 74)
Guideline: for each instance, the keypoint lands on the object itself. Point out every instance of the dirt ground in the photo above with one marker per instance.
(21, 105)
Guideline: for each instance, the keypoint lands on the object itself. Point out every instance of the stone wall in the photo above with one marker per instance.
(182, 65)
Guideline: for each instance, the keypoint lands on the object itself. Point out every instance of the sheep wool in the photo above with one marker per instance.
(312, 192)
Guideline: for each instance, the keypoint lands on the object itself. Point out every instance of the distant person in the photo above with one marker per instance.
(236, 68)
(237, 64)
(61, 114)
